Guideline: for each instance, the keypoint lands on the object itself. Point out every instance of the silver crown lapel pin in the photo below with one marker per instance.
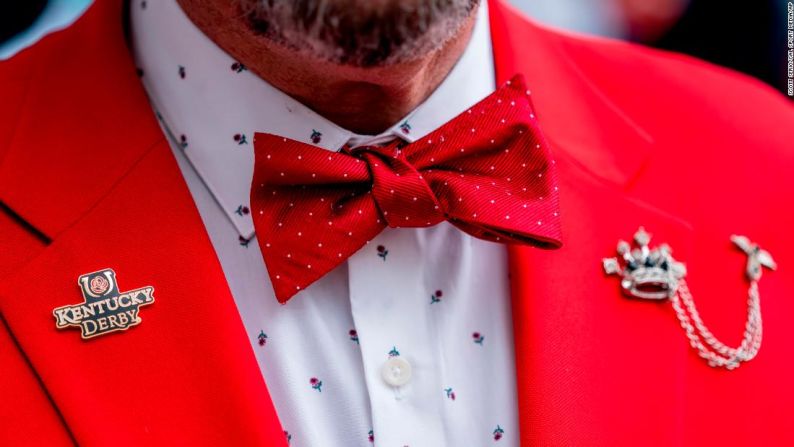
(655, 275)
(650, 274)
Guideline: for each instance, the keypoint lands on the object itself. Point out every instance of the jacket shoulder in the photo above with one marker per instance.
(693, 110)
(649, 84)
(17, 76)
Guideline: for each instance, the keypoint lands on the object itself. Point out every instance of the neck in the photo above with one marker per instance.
(365, 100)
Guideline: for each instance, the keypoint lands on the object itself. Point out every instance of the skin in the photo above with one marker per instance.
(375, 97)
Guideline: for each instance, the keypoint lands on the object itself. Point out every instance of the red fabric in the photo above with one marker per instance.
(693, 152)
(488, 171)
(110, 117)
(186, 373)
(27, 412)
(89, 167)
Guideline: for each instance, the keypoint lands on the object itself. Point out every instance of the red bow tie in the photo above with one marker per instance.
(488, 172)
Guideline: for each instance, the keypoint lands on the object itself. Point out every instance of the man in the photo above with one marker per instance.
(287, 226)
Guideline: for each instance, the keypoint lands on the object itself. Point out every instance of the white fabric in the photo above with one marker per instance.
(460, 390)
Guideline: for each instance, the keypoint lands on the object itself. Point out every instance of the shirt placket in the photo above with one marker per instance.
(396, 334)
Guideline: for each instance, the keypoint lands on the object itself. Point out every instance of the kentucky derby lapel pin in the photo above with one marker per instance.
(105, 308)
(654, 274)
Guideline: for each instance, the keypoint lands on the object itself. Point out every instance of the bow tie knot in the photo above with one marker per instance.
(400, 190)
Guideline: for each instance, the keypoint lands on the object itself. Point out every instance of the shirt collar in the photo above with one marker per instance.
(210, 105)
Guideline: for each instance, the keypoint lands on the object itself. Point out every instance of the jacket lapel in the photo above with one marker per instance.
(592, 365)
(186, 371)
(115, 198)
(82, 123)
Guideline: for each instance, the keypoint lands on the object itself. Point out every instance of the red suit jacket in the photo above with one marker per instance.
(691, 151)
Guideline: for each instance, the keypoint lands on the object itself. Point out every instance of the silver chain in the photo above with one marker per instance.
(653, 274)
(716, 353)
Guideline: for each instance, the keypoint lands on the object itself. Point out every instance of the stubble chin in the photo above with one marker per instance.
(361, 33)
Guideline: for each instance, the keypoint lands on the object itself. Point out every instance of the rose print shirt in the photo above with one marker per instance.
(407, 343)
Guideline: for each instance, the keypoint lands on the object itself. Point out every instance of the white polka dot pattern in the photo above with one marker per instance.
(496, 182)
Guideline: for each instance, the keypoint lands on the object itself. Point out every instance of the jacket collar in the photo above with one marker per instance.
(83, 123)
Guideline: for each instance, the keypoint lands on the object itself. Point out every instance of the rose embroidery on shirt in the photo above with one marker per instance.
(498, 433)
(289, 436)
(436, 297)
(478, 338)
(238, 67)
(316, 383)
(405, 127)
(394, 352)
(242, 210)
(183, 141)
(316, 136)
(262, 338)
(382, 252)
(371, 436)
(244, 242)
(240, 138)
(182, 72)
(353, 335)
(450, 393)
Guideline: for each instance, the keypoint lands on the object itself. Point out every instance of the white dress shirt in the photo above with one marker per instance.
(408, 343)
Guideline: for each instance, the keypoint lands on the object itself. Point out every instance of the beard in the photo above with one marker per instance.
(361, 33)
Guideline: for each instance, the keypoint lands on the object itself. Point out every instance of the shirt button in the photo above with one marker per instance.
(396, 371)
